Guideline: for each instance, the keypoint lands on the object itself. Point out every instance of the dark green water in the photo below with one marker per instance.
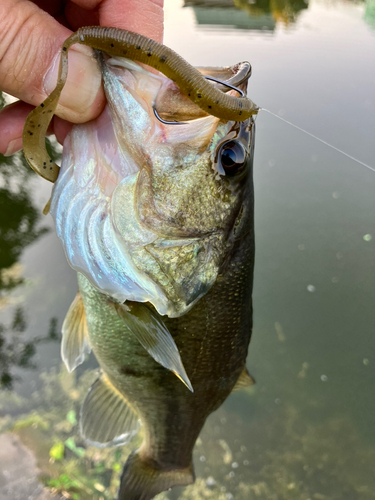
(306, 430)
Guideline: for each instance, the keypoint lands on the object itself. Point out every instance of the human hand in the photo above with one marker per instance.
(31, 36)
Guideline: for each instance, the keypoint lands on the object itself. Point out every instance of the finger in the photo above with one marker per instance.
(30, 44)
(141, 16)
(60, 128)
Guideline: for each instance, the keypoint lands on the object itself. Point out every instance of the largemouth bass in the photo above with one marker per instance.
(158, 222)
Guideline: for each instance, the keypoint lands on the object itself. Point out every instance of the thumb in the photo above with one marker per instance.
(30, 44)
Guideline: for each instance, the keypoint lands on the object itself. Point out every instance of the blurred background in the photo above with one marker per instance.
(305, 431)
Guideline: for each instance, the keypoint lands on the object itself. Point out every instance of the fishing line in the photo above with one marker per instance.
(320, 140)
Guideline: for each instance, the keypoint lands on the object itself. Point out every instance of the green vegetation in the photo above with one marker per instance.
(68, 465)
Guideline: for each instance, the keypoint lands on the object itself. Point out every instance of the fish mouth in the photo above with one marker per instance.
(171, 105)
(117, 206)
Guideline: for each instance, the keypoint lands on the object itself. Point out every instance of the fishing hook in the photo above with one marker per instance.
(165, 121)
(242, 94)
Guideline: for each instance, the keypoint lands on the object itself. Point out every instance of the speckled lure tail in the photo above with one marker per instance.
(123, 43)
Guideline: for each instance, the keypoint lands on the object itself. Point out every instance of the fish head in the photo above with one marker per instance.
(149, 211)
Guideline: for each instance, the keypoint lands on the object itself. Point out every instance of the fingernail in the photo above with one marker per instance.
(13, 147)
(82, 86)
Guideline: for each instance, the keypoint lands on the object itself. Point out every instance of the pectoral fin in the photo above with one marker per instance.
(75, 345)
(106, 417)
(154, 337)
(244, 380)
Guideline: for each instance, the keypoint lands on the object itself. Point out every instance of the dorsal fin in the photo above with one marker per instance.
(106, 417)
(154, 336)
(75, 345)
(244, 380)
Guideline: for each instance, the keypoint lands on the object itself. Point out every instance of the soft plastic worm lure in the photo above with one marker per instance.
(124, 43)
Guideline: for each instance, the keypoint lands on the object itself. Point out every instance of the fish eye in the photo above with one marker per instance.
(232, 157)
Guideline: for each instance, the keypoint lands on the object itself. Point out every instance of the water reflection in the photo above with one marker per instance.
(18, 219)
(245, 15)
(19, 227)
(369, 16)
(16, 351)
